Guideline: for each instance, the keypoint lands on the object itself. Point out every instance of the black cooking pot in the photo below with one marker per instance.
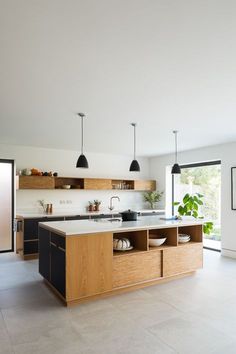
(129, 215)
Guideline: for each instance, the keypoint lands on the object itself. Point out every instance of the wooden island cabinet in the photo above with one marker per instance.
(78, 262)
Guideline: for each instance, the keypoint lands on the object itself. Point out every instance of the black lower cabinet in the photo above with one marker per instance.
(58, 268)
(77, 217)
(31, 247)
(44, 253)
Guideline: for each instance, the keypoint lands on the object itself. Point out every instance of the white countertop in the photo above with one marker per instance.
(80, 227)
(33, 214)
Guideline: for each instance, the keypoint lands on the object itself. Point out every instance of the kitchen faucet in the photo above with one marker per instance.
(111, 207)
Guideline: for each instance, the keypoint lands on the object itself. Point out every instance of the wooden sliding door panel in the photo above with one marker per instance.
(135, 268)
(182, 259)
(88, 265)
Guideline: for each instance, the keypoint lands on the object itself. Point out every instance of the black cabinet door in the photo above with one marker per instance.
(31, 228)
(54, 218)
(31, 247)
(77, 217)
(58, 268)
(44, 253)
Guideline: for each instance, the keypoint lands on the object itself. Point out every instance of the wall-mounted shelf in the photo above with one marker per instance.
(46, 182)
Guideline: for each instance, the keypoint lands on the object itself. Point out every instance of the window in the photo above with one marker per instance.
(203, 178)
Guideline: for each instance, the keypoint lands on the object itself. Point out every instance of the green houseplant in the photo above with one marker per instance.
(152, 198)
(190, 207)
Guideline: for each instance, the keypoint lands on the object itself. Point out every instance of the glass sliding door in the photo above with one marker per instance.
(6, 205)
(203, 178)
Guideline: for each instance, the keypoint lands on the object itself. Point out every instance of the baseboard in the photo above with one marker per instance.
(228, 253)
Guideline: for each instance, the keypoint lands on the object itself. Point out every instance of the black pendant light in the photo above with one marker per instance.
(82, 161)
(176, 167)
(134, 167)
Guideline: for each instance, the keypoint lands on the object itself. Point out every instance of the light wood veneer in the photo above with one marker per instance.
(93, 269)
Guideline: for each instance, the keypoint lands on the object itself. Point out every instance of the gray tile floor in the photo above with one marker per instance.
(191, 315)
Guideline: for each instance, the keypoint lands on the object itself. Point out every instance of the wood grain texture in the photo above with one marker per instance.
(144, 185)
(36, 182)
(136, 268)
(97, 183)
(88, 265)
(182, 259)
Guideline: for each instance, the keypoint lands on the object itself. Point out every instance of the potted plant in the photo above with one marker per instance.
(152, 198)
(97, 203)
(189, 208)
(91, 206)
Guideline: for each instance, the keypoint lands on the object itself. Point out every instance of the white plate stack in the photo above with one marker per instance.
(183, 238)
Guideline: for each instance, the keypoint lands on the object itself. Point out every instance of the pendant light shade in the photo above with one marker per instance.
(134, 167)
(82, 161)
(176, 170)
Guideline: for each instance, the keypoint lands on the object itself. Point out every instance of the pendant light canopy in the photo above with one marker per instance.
(176, 168)
(134, 167)
(82, 161)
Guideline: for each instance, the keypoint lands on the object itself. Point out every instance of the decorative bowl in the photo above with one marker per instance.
(155, 242)
(121, 244)
(66, 186)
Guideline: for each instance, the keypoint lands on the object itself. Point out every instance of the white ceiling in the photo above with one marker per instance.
(164, 64)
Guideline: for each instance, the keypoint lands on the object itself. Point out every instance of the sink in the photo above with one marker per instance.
(108, 220)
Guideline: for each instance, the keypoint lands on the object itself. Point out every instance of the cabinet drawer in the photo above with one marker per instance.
(182, 259)
(58, 240)
(135, 268)
(31, 247)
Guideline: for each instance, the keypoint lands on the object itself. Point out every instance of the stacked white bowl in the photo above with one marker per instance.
(183, 238)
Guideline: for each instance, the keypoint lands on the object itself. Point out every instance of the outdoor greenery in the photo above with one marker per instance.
(190, 207)
(152, 198)
(206, 181)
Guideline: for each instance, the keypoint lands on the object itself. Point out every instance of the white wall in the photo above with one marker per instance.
(227, 154)
(63, 162)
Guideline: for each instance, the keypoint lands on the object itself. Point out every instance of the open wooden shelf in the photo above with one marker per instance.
(171, 235)
(195, 232)
(46, 182)
(138, 239)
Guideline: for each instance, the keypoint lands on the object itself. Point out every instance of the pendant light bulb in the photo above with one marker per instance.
(134, 166)
(176, 170)
(82, 161)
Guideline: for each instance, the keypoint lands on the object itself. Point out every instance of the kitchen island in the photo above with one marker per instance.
(77, 260)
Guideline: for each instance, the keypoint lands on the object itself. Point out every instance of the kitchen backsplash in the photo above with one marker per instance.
(27, 200)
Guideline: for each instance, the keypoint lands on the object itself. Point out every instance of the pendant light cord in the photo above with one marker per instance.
(134, 142)
(176, 151)
(82, 135)
(176, 147)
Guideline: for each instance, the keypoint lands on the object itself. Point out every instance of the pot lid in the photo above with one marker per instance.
(129, 211)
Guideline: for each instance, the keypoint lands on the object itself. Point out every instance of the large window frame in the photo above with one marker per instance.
(192, 165)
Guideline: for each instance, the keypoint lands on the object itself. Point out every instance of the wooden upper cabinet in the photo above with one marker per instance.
(97, 183)
(36, 182)
(144, 185)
